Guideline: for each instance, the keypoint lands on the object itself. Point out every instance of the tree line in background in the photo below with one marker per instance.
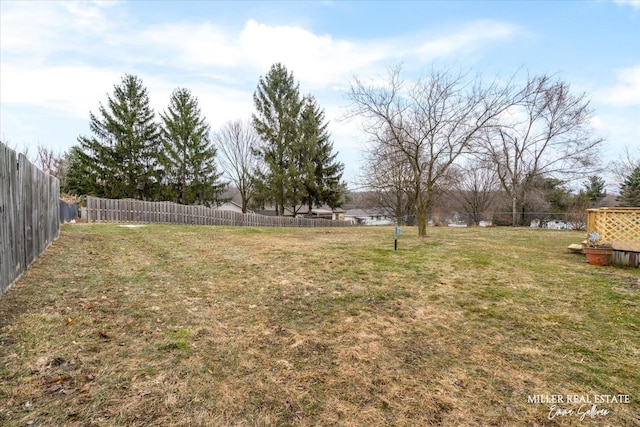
(283, 157)
(452, 134)
(446, 139)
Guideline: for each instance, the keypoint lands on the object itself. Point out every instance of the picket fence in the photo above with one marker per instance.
(137, 211)
(29, 220)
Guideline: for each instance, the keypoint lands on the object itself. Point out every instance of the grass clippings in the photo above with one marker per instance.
(215, 326)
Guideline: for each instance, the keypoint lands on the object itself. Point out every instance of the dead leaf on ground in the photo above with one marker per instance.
(55, 379)
(461, 383)
(54, 387)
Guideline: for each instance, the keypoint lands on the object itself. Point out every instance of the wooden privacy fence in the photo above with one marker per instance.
(28, 214)
(137, 211)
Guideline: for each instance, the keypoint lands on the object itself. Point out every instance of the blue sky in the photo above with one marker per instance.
(59, 60)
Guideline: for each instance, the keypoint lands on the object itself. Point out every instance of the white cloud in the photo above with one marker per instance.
(189, 45)
(597, 122)
(626, 92)
(67, 56)
(217, 103)
(40, 29)
(318, 60)
(632, 3)
(466, 39)
(34, 37)
(619, 131)
(71, 89)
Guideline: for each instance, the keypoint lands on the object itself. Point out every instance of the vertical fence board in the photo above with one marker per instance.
(29, 214)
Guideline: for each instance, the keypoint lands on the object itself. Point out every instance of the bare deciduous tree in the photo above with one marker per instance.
(388, 176)
(474, 187)
(428, 125)
(47, 160)
(237, 142)
(545, 132)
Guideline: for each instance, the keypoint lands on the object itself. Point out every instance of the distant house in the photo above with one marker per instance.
(229, 206)
(324, 212)
(610, 200)
(368, 217)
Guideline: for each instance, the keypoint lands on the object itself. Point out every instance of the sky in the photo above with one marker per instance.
(59, 61)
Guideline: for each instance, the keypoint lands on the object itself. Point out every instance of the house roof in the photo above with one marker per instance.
(356, 213)
(232, 194)
(366, 213)
(303, 210)
(229, 204)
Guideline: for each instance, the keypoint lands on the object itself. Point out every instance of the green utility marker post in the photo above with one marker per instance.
(395, 238)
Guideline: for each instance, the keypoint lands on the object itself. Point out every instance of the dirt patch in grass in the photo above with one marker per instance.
(170, 325)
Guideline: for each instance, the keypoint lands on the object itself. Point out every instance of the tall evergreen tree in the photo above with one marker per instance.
(188, 159)
(594, 189)
(630, 189)
(122, 155)
(77, 179)
(277, 103)
(322, 173)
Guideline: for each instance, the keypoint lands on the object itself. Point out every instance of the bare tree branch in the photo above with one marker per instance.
(426, 125)
(237, 143)
(545, 132)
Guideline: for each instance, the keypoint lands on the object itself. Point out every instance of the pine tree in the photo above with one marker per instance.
(77, 179)
(188, 159)
(121, 158)
(630, 189)
(322, 172)
(277, 103)
(594, 189)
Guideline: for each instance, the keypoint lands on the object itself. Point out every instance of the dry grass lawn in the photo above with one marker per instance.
(217, 326)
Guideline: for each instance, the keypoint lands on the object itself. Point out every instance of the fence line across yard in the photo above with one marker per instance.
(29, 220)
(137, 211)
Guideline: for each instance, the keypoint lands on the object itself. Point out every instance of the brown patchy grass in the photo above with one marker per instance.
(188, 326)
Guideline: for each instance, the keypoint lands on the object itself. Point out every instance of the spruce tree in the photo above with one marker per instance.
(121, 158)
(277, 103)
(630, 189)
(594, 189)
(77, 179)
(322, 172)
(188, 159)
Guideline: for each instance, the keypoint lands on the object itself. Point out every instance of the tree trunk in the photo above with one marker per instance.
(422, 225)
(422, 212)
(514, 212)
(422, 215)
